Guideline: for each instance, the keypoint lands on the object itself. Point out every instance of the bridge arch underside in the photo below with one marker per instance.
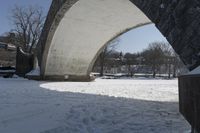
(83, 32)
(81, 28)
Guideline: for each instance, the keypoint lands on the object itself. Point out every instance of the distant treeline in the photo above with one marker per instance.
(157, 58)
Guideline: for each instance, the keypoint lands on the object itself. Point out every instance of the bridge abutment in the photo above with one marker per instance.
(189, 100)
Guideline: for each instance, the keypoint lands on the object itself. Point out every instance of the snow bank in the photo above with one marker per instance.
(195, 71)
(35, 72)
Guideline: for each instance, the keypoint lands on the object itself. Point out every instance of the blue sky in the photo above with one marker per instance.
(7, 5)
(133, 41)
(138, 39)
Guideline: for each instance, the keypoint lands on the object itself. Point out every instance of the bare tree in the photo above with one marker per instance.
(169, 56)
(130, 59)
(161, 53)
(107, 50)
(28, 23)
(172, 60)
(153, 56)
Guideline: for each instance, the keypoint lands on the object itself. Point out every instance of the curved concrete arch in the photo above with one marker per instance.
(108, 42)
(75, 31)
(84, 29)
(55, 15)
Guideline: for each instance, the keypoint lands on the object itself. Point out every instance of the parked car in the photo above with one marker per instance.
(7, 72)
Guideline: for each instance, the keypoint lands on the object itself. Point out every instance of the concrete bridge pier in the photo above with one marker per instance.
(189, 99)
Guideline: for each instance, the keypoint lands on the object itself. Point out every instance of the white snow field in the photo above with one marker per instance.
(101, 106)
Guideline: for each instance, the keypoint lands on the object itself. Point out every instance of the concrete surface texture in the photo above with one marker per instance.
(84, 30)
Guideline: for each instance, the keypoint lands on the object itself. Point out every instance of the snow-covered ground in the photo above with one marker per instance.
(102, 106)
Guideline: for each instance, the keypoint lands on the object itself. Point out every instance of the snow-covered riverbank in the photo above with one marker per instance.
(102, 106)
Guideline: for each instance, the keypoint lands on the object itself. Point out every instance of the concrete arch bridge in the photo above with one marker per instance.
(76, 31)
